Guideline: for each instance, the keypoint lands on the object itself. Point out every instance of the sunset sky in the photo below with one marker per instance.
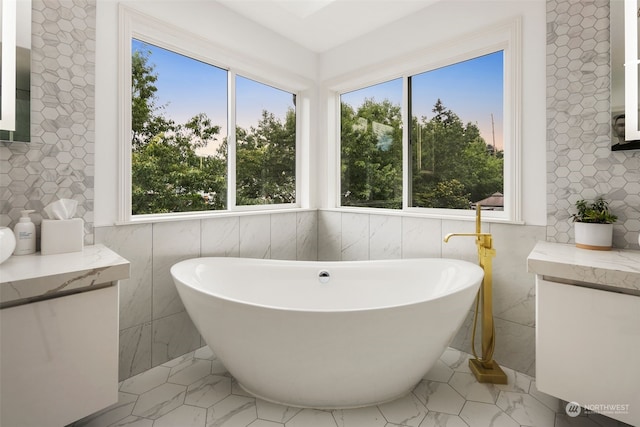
(472, 89)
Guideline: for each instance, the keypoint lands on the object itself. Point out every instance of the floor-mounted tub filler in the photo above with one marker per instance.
(327, 334)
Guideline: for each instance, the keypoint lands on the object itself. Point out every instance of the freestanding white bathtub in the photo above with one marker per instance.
(327, 334)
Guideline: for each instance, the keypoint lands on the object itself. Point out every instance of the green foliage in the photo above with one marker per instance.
(168, 174)
(266, 161)
(594, 212)
(371, 172)
(450, 194)
(452, 165)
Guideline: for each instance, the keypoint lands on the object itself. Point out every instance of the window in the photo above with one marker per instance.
(371, 146)
(456, 136)
(439, 137)
(178, 132)
(197, 136)
(456, 141)
(265, 144)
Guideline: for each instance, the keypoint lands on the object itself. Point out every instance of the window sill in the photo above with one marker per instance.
(189, 216)
(414, 213)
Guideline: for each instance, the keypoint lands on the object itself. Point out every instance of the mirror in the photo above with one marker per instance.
(624, 82)
(15, 69)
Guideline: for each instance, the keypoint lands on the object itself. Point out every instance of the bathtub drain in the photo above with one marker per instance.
(324, 276)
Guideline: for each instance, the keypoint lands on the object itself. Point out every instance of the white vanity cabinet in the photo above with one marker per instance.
(59, 336)
(588, 328)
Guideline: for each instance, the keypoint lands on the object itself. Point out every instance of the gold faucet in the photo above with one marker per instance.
(485, 369)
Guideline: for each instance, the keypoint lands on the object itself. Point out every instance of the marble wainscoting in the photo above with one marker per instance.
(356, 236)
(154, 326)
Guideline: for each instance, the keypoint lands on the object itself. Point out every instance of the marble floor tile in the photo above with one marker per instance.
(469, 388)
(132, 421)
(208, 391)
(274, 412)
(440, 372)
(477, 414)
(312, 417)
(195, 390)
(183, 416)
(369, 416)
(232, 411)
(146, 381)
(190, 371)
(407, 410)
(159, 401)
(525, 409)
(439, 397)
(438, 419)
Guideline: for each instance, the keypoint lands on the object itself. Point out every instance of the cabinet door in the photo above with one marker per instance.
(587, 347)
(59, 358)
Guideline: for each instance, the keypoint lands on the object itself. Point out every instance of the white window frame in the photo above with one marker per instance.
(506, 37)
(136, 25)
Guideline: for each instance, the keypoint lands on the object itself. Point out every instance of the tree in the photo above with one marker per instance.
(146, 115)
(371, 152)
(167, 174)
(266, 161)
(457, 166)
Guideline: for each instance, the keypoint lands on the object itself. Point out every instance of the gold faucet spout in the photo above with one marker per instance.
(478, 235)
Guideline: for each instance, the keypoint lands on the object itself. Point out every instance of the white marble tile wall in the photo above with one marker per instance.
(421, 237)
(385, 237)
(220, 236)
(307, 236)
(283, 232)
(329, 236)
(172, 242)
(255, 236)
(355, 237)
(344, 236)
(154, 326)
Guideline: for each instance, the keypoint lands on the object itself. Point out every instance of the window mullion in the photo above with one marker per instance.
(231, 140)
(406, 142)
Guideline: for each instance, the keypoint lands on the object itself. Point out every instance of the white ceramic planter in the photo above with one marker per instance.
(594, 236)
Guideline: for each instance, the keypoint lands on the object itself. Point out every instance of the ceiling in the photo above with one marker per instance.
(320, 25)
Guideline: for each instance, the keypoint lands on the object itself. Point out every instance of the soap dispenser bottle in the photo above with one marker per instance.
(25, 232)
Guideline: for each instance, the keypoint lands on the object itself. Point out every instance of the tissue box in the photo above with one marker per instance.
(61, 236)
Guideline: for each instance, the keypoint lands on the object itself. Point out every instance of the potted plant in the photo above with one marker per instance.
(594, 224)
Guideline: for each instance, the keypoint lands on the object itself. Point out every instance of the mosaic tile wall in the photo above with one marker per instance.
(580, 163)
(59, 162)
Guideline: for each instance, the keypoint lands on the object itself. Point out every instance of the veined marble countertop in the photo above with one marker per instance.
(31, 277)
(618, 269)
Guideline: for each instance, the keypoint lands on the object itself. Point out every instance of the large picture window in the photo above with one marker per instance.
(178, 130)
(456, 135)
(440, 134)
(183, 158)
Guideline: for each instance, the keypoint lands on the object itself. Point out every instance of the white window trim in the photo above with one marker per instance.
(506, 36)
(134, 24)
